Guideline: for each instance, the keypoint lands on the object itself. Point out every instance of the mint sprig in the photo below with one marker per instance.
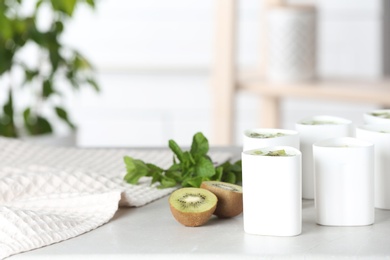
(189, 168)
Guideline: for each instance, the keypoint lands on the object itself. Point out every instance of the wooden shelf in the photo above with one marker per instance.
(226, 82)
(270, 94)
(362, 91)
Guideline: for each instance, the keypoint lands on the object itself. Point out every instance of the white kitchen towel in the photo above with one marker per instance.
(50, 194)
(53, 219)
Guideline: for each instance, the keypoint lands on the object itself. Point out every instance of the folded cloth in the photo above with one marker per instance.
(50, 194)
(27, 226)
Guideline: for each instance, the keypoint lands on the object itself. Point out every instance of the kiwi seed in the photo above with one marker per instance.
(192, 207)
(229, 198)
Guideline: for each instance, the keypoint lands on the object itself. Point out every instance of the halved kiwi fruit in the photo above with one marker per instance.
(229, 198)
(192, 207)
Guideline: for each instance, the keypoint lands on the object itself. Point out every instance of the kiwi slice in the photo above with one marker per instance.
(229, 198)
(192, 207)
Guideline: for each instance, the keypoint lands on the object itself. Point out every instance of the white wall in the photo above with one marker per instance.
(154, 57)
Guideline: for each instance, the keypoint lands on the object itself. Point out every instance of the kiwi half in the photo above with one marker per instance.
(192, 207)
(229, 198)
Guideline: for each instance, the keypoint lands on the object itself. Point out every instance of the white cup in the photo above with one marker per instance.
(272, 199)
(379, 135)
(314, 129)
(264, 137)
(344, 182)
(379, 116)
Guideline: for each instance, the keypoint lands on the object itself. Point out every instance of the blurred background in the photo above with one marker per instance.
(153, 61)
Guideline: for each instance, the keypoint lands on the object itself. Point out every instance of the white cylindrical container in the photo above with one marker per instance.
(263, 137)
(291, 31)
(344, 182)
(272, 203)
(379, 135)
(380, 116)
(314, 129)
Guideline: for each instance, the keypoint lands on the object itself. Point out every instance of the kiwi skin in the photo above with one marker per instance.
(188, 218)
(229, 198)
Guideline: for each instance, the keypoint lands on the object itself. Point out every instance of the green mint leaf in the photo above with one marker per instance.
(188, 173)
(192, 159)
(204, 168)
(156, 177)
(229, 169)
(184, 183)
(239, 163)
(133, 177)
(135, 170)
(175, 167)
(176, 150)
(229, 177)
(190, 170)
(167, 183)
(237, 169)
(155, 172)
(193, 182)
(188, 161)
(154, 168)
(176, 175)
(200, 145)
(218, 174)
(238, 177)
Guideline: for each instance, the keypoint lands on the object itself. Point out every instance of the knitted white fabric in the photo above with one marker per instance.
(50, 194)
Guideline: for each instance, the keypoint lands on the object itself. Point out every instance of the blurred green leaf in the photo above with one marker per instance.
(17, 28)
(80, 62)
(59, 27)
(38, 4)
(91, 3)
(94, 84)
(30, 74)
(55, 57)
(8, 107)
(6, 31)
(47, 88)
(61, 113)
(36, 125)
(26, 114)
(7, 127)
(5, 60)
(65, 6)
(7, 124)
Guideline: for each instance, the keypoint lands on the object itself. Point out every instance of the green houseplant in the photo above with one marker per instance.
(57, 66)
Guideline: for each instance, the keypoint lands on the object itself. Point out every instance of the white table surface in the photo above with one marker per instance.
(151, 232)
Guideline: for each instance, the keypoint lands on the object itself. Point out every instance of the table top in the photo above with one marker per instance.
(151, 232)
